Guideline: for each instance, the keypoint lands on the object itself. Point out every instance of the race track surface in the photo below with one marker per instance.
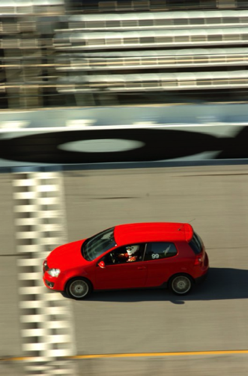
(146, 323)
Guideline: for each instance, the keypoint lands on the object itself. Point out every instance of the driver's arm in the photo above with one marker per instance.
(132, 258)
(123, 256)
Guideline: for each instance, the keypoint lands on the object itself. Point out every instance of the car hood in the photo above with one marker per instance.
(67, 256)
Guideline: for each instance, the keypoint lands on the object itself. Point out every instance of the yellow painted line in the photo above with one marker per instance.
(15, 359)
(138, 355)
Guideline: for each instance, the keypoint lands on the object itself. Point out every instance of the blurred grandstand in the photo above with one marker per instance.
(90, 53)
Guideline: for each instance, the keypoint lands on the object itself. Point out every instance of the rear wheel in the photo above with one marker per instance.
(181, 284)
(78, 288)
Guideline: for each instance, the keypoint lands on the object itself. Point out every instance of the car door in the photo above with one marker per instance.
(120, 274)
(161, 262)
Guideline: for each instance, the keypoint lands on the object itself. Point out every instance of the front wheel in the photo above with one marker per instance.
(78, 288)
(181, 284)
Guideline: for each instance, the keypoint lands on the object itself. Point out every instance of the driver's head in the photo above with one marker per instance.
(132, 249)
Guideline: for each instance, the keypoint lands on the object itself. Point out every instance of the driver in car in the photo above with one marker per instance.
(131, 254)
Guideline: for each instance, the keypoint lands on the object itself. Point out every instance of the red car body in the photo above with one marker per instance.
(165, 251)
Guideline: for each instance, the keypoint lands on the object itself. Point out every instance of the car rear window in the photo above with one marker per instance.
(196, 244)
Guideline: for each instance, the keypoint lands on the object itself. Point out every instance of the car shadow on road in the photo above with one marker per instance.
(221, 283)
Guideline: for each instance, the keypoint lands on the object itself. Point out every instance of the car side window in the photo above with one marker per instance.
(160, 250)
(126, 254)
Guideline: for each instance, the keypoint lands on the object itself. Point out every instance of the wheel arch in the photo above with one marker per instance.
(177, 274)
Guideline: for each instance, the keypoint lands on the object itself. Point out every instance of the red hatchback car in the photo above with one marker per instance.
(139, 255)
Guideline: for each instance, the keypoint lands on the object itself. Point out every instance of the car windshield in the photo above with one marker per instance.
(98, 244)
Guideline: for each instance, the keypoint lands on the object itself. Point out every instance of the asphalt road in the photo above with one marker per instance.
(213, 317)
(10, 343)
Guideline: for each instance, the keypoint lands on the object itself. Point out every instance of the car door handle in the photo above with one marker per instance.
(141, 267)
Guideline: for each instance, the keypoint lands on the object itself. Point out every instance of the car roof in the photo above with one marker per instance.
(152, 231)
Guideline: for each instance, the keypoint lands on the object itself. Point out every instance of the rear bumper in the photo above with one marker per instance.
(202, 278)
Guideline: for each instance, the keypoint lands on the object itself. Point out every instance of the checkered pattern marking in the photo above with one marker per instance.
(46, 318)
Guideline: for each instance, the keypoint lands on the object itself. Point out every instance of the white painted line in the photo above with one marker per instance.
(123, 126)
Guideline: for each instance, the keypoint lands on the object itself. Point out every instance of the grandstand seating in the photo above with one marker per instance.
(63, 52)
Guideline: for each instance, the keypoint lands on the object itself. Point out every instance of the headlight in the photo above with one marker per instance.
(54, 272)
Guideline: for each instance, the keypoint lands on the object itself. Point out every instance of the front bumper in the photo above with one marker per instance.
(51, 283)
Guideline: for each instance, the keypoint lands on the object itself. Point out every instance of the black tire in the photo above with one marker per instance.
(78, 288)
(181, 284)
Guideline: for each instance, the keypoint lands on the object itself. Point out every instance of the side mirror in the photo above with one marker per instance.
(101, 264)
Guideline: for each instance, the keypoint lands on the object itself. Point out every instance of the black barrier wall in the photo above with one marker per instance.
(111, 135)
(157, 144)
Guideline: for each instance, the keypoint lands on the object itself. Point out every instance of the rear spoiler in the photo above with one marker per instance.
(188, 230)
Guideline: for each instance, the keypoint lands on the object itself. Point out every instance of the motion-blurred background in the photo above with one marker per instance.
(93, 52)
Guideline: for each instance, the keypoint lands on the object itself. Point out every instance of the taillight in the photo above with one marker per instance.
(198, 261)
